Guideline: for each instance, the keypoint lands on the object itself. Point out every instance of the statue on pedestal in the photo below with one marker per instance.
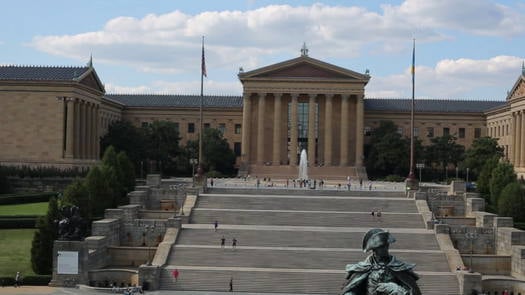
(380, 273)
(72, 227)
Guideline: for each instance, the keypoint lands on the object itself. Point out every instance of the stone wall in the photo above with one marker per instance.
(488, 264)
(130, 256)
(482, 243)
(446, 205)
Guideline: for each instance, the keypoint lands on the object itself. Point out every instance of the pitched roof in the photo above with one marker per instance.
(169, 100)
(43, 73)
(430, 105)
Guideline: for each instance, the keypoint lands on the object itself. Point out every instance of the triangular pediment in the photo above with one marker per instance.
(90, 79)
(304, 67)
(518, 90)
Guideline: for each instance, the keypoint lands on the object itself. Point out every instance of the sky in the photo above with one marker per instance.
(468, 49)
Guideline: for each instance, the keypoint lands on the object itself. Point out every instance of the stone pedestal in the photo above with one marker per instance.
(75, 272)
(153, 180)
(149, 277)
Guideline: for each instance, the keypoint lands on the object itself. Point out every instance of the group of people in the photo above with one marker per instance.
(376, 214)
(223, 239)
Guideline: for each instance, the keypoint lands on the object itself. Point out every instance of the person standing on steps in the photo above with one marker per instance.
(231, 284)
(234, 243)
(223, 242)
(215, 225)
(175, 274)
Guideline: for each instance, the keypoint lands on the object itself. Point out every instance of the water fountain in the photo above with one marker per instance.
(303, 165)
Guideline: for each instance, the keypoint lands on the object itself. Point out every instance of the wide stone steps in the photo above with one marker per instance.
(299, 258)
(275, 281)
(312, 203)
(301, 238)
(306, 218)
(265, 191)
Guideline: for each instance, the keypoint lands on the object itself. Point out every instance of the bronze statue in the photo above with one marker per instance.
(380, 273)
(72, 227)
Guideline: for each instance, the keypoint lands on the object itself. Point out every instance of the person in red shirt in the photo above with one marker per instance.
(175, 274)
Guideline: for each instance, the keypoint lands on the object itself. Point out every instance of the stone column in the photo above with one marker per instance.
(293, 131)
(97, 133)
(77, 129)
(519, 119)
(344, 130)
(277, 120)
(328, 130)
(246, 119)
(522, 140)
(513, 145)
(260, 128)
(89, 131)
(311, 130)
(359, 132)
(83, 139)
(70, 128)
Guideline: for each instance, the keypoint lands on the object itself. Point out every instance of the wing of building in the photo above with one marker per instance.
(55, 116)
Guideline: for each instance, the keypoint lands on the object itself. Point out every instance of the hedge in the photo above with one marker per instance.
(18, 222)
(34, 280)
(10, 199)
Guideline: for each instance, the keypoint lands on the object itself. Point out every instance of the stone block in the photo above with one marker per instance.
(457, 187)
(153, 180)
(420, 195)
(113, 213)
(149, 277)
(442, 228)
(138, 197)
(503, 222)
(174, 222)
(473, 205)
(484, 219)
(96, 242)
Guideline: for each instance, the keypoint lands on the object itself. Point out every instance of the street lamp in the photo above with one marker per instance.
(147, 228)
(193, 162)
(471, 236)
(467, 174)
(420, 166)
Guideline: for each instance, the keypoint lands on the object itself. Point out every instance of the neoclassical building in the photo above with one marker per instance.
(56, 115)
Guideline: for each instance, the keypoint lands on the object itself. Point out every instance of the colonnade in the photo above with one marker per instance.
(82, 129)
(331, 145)
(518, 140)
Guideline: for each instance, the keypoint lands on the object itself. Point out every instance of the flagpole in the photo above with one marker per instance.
(411, 175)
(200, 169)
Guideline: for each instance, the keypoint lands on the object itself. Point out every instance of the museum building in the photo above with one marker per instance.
(55, 116)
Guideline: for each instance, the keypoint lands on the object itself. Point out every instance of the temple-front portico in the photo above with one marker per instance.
(299, 104)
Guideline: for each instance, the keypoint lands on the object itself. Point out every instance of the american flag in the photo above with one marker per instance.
(203, 63)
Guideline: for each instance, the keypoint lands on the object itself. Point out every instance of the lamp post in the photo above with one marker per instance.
(467, 174)
(193, 162)
(150, 229)
(420, 166)
(471, 236)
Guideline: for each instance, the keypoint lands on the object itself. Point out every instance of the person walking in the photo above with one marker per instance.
(234, 243)
(215, 225)
(231, 284)
(223, 242)
(18, 278)
(175, 274)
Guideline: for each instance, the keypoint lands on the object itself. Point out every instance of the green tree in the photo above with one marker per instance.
(502, 175)
(127, 173)
(388, 151)
(100, 193)
(444, 150)
(77, 194)
(218, 156)
(124, 136)
(481, 150)
(512, 201)
(42, 245)
(484, 177)
(162, 143)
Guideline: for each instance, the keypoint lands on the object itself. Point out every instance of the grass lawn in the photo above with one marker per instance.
(15, 251)
(24, 209)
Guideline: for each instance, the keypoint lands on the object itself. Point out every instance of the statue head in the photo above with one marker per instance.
(377, 238)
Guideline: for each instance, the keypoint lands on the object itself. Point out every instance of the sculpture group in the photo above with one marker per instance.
(380, 273)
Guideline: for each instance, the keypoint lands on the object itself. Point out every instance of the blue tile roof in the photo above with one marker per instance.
(188, 101)
(431, 105)
(44, 73)
(371, 104)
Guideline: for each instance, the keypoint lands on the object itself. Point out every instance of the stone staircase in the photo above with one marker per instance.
(297, 244)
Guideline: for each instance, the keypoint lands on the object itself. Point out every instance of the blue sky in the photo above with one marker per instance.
(469, 49)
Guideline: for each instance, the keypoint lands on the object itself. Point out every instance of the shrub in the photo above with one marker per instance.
(18, 222)
(25, 198)
(394, 178)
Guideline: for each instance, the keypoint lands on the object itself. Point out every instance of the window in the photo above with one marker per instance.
(238, 129)
(400, 130)
(206, 125)
(368, 130)
(430, 131)
(237, 148)
(446, 131)
(222, 128)
(176, 125)
(477, 132)
(461, 133)
(416, 131)
(191, 127)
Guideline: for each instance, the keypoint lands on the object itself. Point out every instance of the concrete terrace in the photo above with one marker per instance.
(297, 241)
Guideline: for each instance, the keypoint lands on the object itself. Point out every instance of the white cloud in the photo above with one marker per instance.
(451, 79)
